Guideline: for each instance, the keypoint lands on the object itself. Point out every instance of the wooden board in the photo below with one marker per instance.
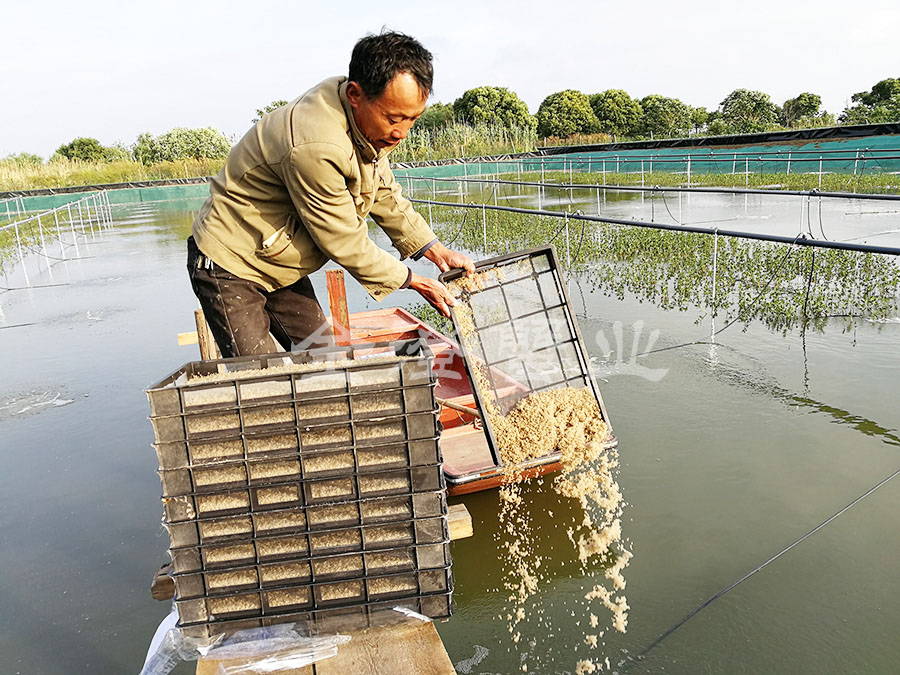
(410, 648)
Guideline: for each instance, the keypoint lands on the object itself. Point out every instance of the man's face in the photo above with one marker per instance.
(387, 119)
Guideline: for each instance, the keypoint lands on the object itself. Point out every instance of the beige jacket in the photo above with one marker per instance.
(295, 192)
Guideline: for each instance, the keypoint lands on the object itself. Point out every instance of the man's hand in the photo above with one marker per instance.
(434, 292)
(445, 259)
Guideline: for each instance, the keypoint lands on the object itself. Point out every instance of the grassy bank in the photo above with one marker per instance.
(65, 172)
(833, 182)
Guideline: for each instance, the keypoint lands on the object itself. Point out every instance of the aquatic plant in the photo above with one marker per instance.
(781, 285)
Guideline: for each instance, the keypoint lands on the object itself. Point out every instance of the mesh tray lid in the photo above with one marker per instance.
(517, 332)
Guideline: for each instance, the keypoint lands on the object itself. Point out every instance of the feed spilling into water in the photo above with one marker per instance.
(567, 420)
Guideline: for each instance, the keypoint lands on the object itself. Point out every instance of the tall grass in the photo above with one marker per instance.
(464, 140)
(66, 172)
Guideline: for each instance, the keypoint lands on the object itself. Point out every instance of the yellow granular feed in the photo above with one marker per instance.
(260, 470)
(369, 484)
(229, 553)
(330, 540)
(199, 424)
(385, 508)
(385, 585)
(225, 528)
(567, 420)
(277, 520)
(390, 559)
(272, 573)
(331, 488)
(347, 589)
(280, 546)
(219, 580)
(332, 514)
(223, 502)
(278, 495)
(233, 603)
(226, 474)
(269, 443)
(340, 565)
(293, 596)
(331, 461)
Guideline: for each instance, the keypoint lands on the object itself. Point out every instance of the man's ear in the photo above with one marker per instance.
(354, 94)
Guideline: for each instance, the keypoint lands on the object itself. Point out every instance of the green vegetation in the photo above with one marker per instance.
(617, 113)
(664, 117)
(181, 144)
(436, 115)
(565, 113)
(880, 104)
(463, 140)
(492, 105)
(832, 182)
(779, 285)
(262, 112)
(64, 172)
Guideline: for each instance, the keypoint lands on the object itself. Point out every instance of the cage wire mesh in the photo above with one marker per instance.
(518, 333)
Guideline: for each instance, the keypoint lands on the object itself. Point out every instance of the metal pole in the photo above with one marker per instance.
(604, 171)
(689, 171)
(855, 162)
(642, 176)
(746, 171)
(43, 243)
(62, 249)
(820, 172)
(568, 252)
(429, 214)
(484, 225)
(72, 228)
(80, 217)
(733, 163)
(789, 164)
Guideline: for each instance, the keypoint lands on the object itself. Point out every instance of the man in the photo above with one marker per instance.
(295, 192)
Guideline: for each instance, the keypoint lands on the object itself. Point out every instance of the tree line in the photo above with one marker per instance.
(616, 113)
(562, 114)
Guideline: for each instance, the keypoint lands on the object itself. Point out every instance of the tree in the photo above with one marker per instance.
(262, 112)
(880, 93)
(805, 111)
(181, 143)
(492, 105)
(435, 115)
(85, 149)
(748, 111)
(880, 113)
(699, 119)
(876, 106)
(665, 116)
(565, 113)
(617, 113)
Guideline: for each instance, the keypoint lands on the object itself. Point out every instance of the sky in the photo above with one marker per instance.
(112, 70)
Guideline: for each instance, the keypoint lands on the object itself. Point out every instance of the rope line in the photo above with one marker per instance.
(756, 569)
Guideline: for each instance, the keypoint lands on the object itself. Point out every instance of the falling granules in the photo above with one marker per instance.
(567, 420)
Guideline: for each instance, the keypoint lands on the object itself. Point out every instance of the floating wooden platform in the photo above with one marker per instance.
(412, 648)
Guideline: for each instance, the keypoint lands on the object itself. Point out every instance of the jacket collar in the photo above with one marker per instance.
(366, 149)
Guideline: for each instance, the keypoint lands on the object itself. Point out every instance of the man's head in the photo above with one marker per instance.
(389, 85)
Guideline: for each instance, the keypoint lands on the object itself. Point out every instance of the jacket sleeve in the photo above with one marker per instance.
(396, 216)
(315, 176)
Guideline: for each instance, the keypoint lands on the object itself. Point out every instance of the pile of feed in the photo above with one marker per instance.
(567, 420)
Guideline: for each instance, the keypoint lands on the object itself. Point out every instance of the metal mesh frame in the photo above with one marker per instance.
(534, 338)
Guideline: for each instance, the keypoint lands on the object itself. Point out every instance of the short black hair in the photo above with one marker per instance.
(377, 59)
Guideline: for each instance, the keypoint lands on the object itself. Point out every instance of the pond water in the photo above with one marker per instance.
(729, 454)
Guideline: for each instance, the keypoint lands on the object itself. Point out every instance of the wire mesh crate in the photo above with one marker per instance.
(261, 576)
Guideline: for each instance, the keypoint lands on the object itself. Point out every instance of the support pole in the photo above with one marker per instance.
(337, 302)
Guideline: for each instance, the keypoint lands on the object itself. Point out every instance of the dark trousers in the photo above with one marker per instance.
(244, 317)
